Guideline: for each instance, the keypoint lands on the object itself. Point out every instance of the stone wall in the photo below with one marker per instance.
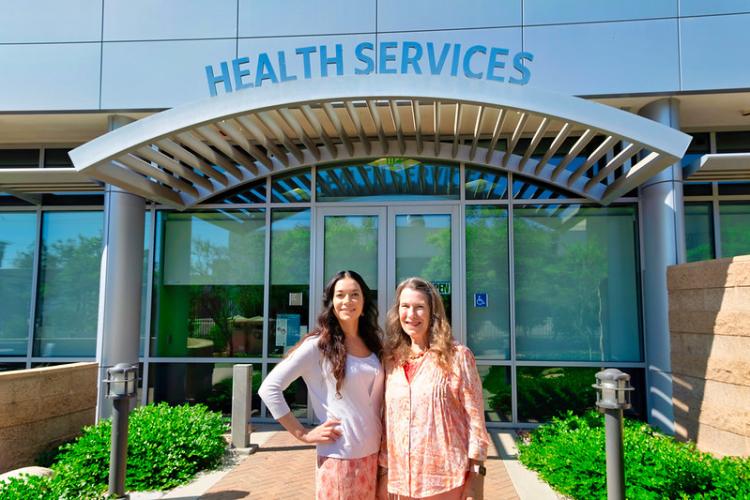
(709, 321)
(42, 407)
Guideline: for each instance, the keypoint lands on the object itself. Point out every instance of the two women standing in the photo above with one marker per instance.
(434, 438)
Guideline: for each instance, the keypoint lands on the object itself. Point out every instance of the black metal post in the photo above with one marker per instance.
(119, 450)
(615, 471)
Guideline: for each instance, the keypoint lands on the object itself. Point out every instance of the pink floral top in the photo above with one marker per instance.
(433, 425)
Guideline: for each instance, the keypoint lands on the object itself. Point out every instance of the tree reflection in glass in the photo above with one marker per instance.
(575, 283)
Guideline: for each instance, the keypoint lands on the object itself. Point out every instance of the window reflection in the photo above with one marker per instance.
(485, 184)
(386, 178)
(497, 393)
(209, 284)
(487, 309)
(290, 279)
(699, 231)
(206, 383)
(17, 243)
(734, 220)
(575, 284)
(292, 188)
(68, 295)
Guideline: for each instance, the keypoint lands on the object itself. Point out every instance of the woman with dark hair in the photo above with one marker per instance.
(435, 436)
(340, 363)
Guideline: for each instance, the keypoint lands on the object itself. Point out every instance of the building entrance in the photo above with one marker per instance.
(389, 244)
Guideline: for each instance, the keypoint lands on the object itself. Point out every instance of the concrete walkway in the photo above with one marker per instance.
(283, 468)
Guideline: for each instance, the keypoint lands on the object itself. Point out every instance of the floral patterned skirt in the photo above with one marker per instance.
(346, 479)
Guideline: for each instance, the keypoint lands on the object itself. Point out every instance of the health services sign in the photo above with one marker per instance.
(391, 57)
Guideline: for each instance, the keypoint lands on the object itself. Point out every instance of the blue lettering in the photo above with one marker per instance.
(437, 66)
(411, 60)
(494, 64)
(213, 80)
(239, 73)
(456, 56)
(305, 53)
(265, 70)
(338, 60)
(282, 68)
(359, 53)
(519, 66)
(385, 57)
(467, 60)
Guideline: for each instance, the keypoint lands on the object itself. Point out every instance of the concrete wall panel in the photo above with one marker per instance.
(49, 77)
(159, 74)
(395, 15)
(604, 58)
(50, 21)
(713, 52)
(169, 19)
(300, 17)
(42, 407)
(577, 11)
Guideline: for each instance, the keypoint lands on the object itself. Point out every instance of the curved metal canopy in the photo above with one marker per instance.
(185, 155)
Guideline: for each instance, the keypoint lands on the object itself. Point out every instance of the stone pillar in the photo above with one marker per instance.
(663, 233)
(118, 334)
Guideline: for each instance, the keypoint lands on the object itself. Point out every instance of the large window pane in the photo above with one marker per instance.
(68, 295)
(497, 395)
(209, 284)
(699, 235)
(734, 220)
(207, 383)
(17, 243)
(290, 279)
(144, 278)
(576, 287)
(485, 184)
(487, 309)
(545, 392)
(423, 248)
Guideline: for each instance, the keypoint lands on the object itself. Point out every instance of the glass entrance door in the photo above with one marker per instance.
(389, 244)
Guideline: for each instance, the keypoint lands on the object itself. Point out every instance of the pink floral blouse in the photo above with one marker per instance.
(433, 425)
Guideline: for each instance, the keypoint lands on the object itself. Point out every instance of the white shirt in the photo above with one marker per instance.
(358, 408)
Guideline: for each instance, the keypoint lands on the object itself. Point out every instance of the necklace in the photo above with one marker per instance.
(414, 357)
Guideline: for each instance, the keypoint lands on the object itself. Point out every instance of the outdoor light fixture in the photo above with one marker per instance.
(121, 381)
(612, 396)
(121, 385)
(612, 390)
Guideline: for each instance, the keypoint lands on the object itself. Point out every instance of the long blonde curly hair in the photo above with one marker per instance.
(440, 337)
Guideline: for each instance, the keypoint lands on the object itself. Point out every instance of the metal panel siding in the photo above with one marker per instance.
(158, 74)
(396, 15)
(252, 47)
(605, 58)
(578, 11)
(713, 52)
(49, 77)
(301, 17)
(50, 21)
(169, 19)
(702, 7)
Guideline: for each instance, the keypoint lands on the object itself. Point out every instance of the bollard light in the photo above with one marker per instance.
(121, 381)
(612, 396)
(121, 384)
(612, 390)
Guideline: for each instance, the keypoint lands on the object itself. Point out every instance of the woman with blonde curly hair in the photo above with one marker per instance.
(435, 438)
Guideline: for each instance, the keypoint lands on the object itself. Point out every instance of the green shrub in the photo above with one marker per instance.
(569, 454)
(166, 447)
(26, 487)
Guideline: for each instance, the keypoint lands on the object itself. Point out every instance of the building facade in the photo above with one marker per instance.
(230, 155)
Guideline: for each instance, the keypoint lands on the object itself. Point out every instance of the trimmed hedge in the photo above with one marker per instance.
(167, 446)
(569, 453)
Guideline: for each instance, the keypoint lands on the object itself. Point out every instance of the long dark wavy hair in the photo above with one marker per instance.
(331, 336)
